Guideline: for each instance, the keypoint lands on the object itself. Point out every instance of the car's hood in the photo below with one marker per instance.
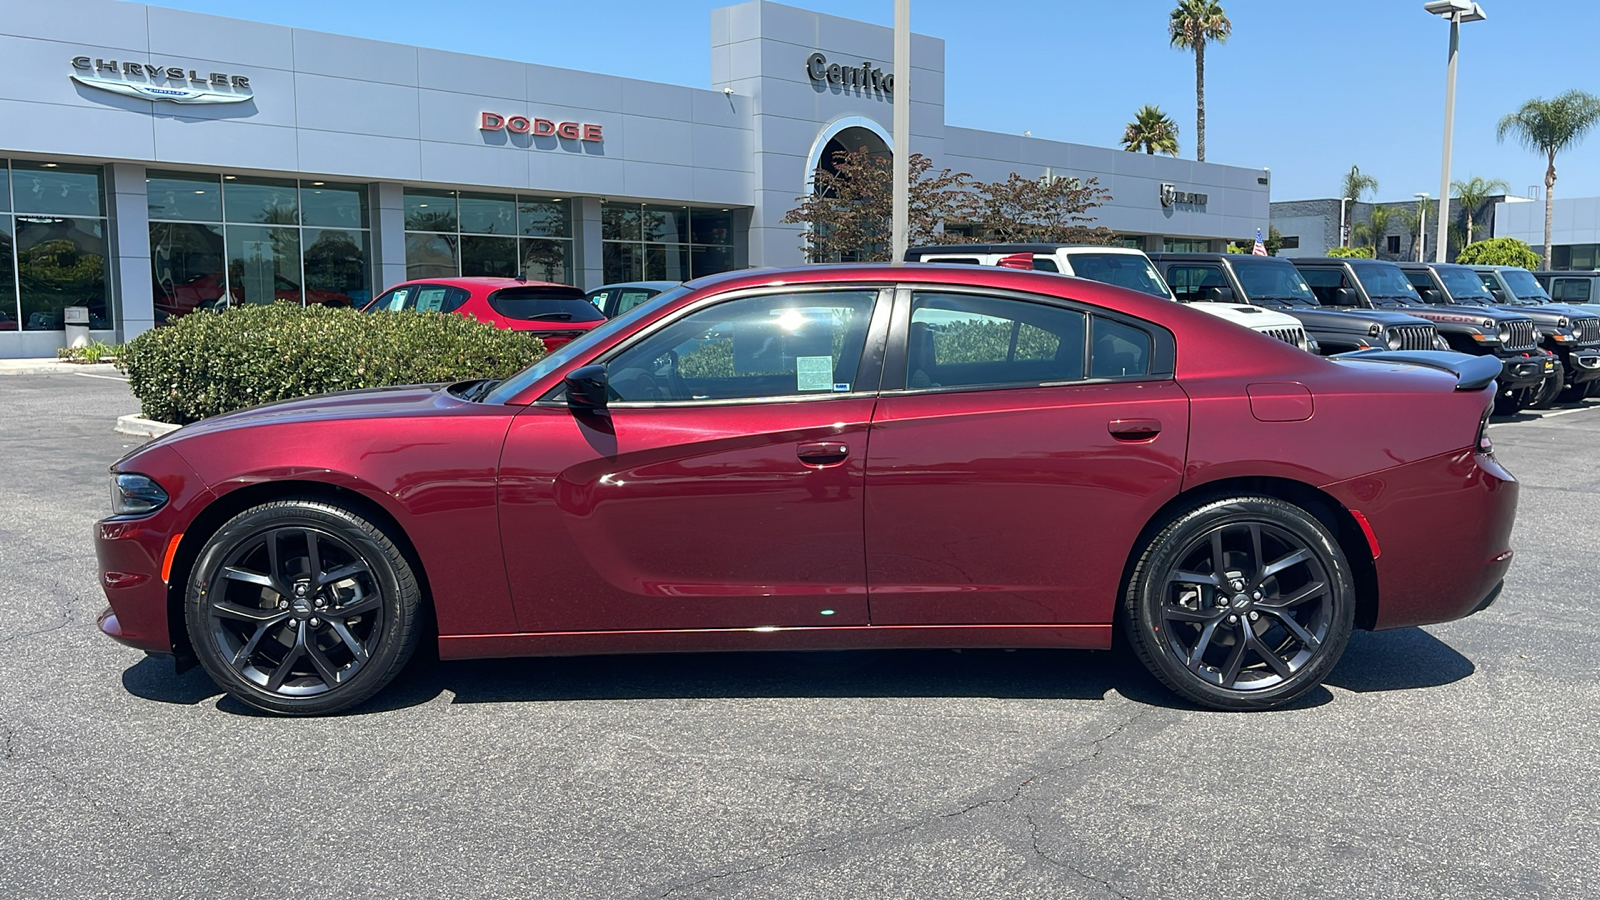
(1253, 317)
(356, 404)
(1351, 320)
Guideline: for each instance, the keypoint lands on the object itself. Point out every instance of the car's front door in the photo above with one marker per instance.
(1018, 448)
(722, 485)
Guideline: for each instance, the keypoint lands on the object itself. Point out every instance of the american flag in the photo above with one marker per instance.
(1259, 249)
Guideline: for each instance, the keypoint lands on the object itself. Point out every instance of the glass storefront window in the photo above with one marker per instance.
(484, 214)
(490, 256)
(5, 186)
(265, 201)
(430, 211)
(329, 205)
(450, 234)
(187, 198)
(8, 280)
(56, 189)
(263, 264)
(543, 218)
(431, 256)
(61, 262)
(664, 243)
(336, 267)
(187, 264)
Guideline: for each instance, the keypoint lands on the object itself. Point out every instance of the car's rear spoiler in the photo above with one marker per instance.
(1472, 373)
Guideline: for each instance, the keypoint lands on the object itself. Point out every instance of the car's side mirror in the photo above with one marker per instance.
(1499, 295)
(587, 387)
(1345, 297)
(1217, 294)
(1432, 295)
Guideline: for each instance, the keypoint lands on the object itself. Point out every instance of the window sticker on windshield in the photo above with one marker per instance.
(813, 373)
(843, 388)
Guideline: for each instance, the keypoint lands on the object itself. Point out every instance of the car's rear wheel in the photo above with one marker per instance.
(1242, 603)
(302, 607)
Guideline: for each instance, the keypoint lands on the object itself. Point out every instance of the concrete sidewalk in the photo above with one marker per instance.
(47, 366)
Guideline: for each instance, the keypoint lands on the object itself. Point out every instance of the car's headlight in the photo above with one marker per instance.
(135, 495)
(1393, 339)
(1505, 333)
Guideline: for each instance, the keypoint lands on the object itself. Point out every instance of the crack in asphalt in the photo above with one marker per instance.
(8, 743)
(1096, 748)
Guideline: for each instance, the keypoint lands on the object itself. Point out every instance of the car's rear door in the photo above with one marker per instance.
(1019, 445)
(721, 487)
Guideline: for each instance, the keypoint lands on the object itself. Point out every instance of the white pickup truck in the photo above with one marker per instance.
(1121, 266)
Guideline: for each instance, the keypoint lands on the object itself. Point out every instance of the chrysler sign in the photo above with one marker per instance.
(155, 81)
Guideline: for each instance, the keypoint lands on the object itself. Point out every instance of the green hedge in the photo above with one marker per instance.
(210, 363)
(1351, 252)
(1498, 252)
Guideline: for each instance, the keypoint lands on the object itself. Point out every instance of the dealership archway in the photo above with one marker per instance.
(846, 134)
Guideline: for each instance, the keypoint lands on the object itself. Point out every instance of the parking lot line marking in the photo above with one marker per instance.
(93, 375)
(1547, 415)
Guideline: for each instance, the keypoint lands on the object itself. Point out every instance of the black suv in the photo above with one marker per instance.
(1483, 330)
(1274, 282)
(1571, 332)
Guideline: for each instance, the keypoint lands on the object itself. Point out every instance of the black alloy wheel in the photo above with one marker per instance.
(302, 607)
(1244, 603)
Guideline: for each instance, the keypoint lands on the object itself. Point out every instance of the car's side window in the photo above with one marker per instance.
(1188, 283)
(1045, 264)
(1117, 350)
(781, 345)
(430, 298)
(963, 340)
(599, 298)
(627, 299)
(1570, 290)
(1325, 284)
(395, 300)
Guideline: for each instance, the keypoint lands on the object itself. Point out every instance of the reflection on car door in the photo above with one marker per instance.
(722, 487)
(1018, 445)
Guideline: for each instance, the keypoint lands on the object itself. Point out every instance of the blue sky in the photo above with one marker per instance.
(1303, 96)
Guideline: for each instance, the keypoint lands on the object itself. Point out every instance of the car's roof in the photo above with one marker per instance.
(652, 285)
(486, 281)
(1570, 273)
(1019, 248)
(1213, 257)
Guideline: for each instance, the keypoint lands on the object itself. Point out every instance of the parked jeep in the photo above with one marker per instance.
(1469, 327)
(1121, 266)
(1571, 332)
(1272, 282)
(1570, 287)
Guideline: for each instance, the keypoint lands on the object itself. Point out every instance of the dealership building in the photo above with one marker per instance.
(155, 162)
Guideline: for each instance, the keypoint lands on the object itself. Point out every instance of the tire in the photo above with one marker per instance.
(1508, 403)
(1550, 388)
(1573, 395)
(1282, 625)
(252, 600)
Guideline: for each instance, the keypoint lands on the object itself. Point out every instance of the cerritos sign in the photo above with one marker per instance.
(572, 131)
(863, 77)
(157, 81)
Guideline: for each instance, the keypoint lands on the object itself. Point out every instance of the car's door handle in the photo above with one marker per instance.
(823, 453)
(1134, 429)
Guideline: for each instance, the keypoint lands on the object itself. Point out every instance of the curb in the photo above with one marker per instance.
(53, 367)
(139, 427)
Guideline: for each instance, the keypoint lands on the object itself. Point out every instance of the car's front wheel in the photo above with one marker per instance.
(1242, 603)
(1550, 389)
(302, 607)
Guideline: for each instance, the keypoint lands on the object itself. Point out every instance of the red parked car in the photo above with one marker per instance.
(555, 313)
(830, 457)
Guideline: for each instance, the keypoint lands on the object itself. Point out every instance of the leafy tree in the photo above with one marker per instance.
(1047, 210)
(1189, 27)
(850, 208)
(1152, 131)
(1355, 184)
(1473, 193)
(1416, 219)
(1351, 252)
(1549, 127)
(1376, 227)
(1499, 252)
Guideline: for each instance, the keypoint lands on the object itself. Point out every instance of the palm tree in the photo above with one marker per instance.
(1190, 26)
(1355, 184)
(1376, 228)
(1550, 126)
(1415, 218)
(1152, 131)
(1473, 193)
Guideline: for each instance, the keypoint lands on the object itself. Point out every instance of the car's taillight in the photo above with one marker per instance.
(1485, 446)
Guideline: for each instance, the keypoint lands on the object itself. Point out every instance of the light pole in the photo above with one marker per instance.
(1457, 11)
(901, 215)
(1422, 226)
(1344, 229)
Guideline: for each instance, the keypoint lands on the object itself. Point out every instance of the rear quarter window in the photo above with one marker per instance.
(544, 303)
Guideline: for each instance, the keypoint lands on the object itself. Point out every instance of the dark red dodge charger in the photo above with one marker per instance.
(830, 457)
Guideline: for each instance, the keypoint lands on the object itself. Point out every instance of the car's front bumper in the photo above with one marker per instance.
(1520, 372)
(1583, 366)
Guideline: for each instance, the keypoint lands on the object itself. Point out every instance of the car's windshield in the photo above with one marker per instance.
(1129, 270)
(1492, 283)
(1386, 285)
(1524, 285)
(544, 303)
(1272, 283)
(1464, 285)
(519, 382)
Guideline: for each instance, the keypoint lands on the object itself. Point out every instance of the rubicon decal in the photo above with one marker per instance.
(156, 81)
(572, 131)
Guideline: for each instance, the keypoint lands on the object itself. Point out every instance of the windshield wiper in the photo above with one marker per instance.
(480, 389)
(549, 317)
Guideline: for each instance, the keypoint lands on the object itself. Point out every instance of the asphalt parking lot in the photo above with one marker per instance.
(1452, 761)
